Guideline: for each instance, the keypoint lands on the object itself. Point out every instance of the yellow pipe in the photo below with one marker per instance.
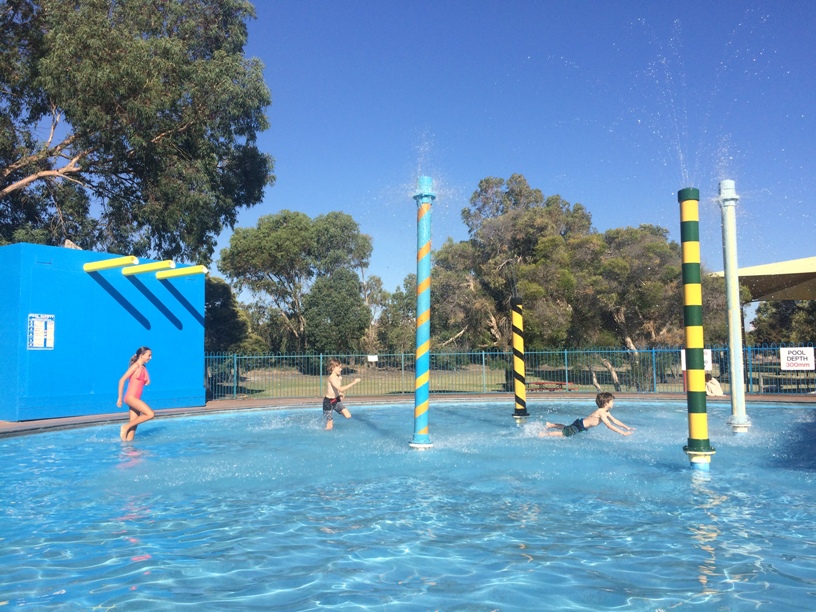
(151, 267)
(188, 271)
(107, 264)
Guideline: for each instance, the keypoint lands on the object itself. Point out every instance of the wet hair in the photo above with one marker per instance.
(602, 399)
(333, 363)
(139, 352)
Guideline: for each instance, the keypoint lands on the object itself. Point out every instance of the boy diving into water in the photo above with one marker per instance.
(605, 403)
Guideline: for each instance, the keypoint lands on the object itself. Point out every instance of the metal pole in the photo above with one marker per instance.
(519, 385)
(728, 202)
(424, 197)
(698, 450)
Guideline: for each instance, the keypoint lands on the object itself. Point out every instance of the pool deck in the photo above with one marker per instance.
(18, 428)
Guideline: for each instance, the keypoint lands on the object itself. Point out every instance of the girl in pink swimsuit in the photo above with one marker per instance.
(138, 377)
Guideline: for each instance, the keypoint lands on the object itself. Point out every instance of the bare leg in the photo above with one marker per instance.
(346, 413)
(145, 414)
(132, 431)
(558, 427)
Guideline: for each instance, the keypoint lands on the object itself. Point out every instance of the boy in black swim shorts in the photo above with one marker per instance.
(605, 403)
(333, 400)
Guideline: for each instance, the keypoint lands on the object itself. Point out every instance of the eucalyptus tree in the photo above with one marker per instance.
(225, 325)
(521, 240)
(788, 321)
(336, 315)
(279, 259)
(129, 125)
(396, 325)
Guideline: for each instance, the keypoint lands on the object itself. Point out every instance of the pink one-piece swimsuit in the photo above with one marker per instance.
(136, 382)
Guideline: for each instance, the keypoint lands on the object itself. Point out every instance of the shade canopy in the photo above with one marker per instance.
(786, 280)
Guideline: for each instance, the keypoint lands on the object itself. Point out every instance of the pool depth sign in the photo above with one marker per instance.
(797, 358)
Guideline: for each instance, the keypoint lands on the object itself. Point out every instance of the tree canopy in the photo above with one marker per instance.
(621, 288)
(129, 125)
(336, 314)
(279, 259)
(786, 321)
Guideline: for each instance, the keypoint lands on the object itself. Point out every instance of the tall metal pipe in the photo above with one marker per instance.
(519, 385)
(424, 197)
(728, 202)
(698, 449)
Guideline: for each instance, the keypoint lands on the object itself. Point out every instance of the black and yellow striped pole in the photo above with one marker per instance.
(698, 450)
(519, 385)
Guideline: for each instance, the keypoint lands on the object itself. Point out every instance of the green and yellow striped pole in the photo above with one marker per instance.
(698, 450)
(519, 387)
(424, 197)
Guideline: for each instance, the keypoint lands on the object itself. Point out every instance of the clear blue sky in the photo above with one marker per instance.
(612, 104)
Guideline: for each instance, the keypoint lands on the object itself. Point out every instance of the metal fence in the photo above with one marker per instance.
(651, 370)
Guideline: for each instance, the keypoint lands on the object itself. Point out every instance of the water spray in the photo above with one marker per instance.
(698, 450)
(424, 198)
(728, 202)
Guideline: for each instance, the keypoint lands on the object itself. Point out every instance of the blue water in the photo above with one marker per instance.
(264, 510)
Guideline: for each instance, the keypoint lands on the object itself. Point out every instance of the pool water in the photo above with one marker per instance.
(264, 510)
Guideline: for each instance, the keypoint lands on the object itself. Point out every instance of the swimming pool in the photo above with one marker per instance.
(265, 510)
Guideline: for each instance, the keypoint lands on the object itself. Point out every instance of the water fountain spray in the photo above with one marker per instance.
(424, 197)
(698, 450)
(728, 202)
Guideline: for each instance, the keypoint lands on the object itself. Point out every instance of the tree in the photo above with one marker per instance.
(274, 261)
(225, 326)
(396, 326)
(463, 313)
(278, 259)
(144, 111)
(638, 285)
(335, 313)
(786, 321)
(495, 197)
(522, 245)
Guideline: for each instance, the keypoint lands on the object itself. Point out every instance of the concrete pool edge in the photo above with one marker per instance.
(20, 428)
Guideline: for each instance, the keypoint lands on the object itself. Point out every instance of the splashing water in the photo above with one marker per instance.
(266, 510)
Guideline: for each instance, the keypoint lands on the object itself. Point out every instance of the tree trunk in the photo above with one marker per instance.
(615, 381)
(595, 382)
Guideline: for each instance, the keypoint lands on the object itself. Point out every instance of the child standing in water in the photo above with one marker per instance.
(605, 402)
(138, 377)
(333, 400)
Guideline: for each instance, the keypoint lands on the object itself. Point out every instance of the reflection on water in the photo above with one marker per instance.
(705, 534)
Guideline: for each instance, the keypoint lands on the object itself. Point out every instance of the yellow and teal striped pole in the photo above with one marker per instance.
(424, 197)
(698, 450)
(519, 386)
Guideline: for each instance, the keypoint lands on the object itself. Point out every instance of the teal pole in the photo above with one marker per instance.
(424, 197)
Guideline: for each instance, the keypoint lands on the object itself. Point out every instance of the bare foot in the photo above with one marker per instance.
(123, 432)
(548, 425)
(329, 425)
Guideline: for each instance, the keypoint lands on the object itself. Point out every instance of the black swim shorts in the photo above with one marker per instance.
(330, 404)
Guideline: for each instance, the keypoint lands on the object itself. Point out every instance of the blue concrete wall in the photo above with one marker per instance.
(100, 319)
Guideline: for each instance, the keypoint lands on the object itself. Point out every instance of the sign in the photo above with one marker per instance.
(373, 358)
(797, 358)
(40, 332)
(708, 363)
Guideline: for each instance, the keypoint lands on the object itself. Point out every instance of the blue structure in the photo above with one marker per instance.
(66, 335)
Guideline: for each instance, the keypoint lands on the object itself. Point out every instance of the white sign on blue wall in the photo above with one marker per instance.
(40, 332)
